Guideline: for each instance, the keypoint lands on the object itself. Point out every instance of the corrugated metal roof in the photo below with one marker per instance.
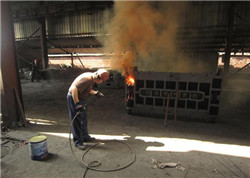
(201, 26)
(26, 28)
(76, 23)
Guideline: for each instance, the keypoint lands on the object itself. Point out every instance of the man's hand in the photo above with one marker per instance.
(79, 107)
(99, 94)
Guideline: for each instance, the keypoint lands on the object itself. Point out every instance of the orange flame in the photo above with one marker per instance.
(130, 80)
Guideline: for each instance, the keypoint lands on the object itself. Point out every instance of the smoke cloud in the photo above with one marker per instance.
(143, 34)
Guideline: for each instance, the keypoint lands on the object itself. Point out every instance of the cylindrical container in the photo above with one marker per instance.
(38, 147)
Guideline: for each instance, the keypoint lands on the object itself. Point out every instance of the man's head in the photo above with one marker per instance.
(102, 75)
(36, 61)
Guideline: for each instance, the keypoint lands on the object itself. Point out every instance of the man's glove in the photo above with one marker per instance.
(99, 94)
(79, 107)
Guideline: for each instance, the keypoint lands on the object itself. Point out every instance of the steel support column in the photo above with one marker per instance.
(44, 48)
(9, 72)
(229, 37)
(72, 60)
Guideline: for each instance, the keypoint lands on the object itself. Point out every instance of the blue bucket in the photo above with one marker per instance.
(38, 147)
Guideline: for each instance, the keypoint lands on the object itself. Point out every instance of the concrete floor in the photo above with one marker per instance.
(202, 149)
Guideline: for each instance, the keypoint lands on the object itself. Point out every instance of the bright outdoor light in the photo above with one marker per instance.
(41, 121)
(185, 145)
(100, 137)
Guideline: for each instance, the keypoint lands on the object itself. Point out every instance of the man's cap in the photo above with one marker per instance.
(103, 74)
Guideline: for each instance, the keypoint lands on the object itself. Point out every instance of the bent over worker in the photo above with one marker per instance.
(78, 92)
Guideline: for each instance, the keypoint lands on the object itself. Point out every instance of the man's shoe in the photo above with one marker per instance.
(81, 147)
(90, 139)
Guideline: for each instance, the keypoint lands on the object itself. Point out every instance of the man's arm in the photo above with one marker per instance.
(96, 93)
(93, 92)
(74, 93)
(78, 105)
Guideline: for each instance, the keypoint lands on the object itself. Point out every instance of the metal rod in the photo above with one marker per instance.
(176, 102)
(229, 37)
(166, 113)
(43, 42)
(242, 68)
(57, 46)
(242, 19)
(72, 60)
(23, 59)
(28, 38)
(80, 60)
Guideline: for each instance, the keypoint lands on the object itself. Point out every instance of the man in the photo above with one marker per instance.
(35, 70)
(79, 90)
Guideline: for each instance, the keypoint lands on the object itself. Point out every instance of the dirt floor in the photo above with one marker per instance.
(200, 149)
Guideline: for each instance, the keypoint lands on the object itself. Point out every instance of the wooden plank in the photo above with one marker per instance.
(166, 113)
(21, 108)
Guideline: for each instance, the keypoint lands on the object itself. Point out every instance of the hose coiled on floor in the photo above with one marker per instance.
(93, 164)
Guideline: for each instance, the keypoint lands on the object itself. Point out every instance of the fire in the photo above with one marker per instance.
(130, 80)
